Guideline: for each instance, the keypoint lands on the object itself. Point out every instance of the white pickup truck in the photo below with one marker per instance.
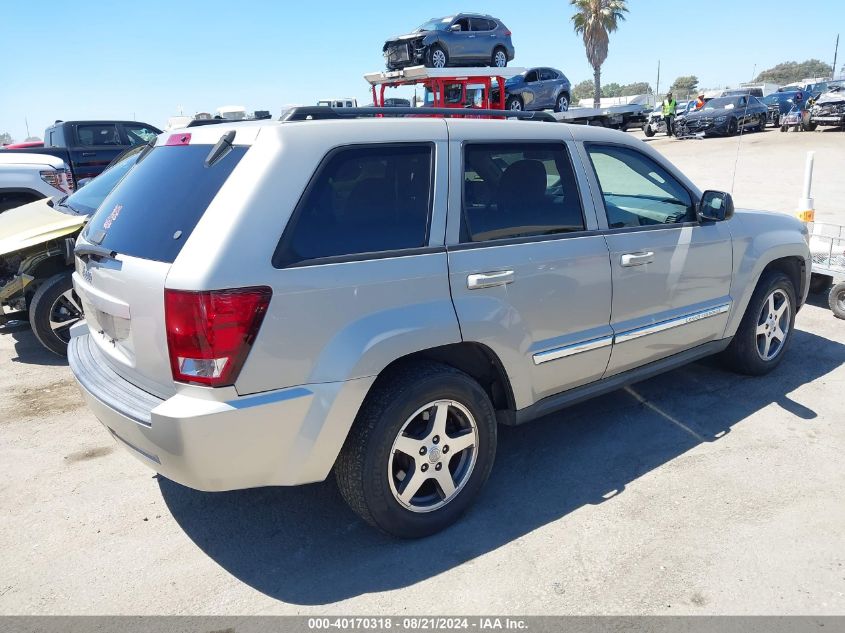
(28, 177)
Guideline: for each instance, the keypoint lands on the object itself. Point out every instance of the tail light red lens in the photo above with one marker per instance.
(58, 178)
(209, 334)
(508, 33)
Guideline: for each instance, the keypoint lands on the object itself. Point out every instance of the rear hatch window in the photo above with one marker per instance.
(153, 211)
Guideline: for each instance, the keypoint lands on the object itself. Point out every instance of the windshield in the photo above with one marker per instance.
(723, 102)
(86, 200)
(437, 24)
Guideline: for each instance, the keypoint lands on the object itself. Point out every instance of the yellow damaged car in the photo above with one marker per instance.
(36, 256)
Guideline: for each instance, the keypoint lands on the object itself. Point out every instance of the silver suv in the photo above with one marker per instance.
(269, 302)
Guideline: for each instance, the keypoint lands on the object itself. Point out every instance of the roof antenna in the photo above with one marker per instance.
(739, 140)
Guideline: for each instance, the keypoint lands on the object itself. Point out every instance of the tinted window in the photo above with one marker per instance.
(519, 190)
(547, 73)
(362, 200)
(138, 134)
(463, 23)
(481, 24)
(531, 76)
(637, 191)
(100, 134)
(155, 208)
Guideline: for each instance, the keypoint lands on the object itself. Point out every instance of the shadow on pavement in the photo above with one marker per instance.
(302, 545)
(29, 350)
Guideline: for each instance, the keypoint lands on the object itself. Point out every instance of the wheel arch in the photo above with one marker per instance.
(474, 359)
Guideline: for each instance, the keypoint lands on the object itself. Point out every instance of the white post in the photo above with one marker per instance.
(806, 209)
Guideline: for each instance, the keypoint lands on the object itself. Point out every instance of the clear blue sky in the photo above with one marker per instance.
(78, 59)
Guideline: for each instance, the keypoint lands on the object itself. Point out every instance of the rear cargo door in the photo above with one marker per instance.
(125, 254)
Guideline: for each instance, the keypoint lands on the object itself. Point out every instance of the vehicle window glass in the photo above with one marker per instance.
(362, 200)
(139, 134)
(531, 76)
(481, 24)
(463, 23)
(98, 134)
(547, 74)
(154, 209)
(637, 191)
(519, 190)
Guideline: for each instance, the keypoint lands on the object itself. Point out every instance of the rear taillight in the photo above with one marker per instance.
(58, 178)
(508, 33)
(209, 334)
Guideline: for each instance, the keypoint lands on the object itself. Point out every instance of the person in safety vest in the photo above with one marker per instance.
(669, 106)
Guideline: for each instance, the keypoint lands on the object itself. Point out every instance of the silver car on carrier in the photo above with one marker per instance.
(268, 302)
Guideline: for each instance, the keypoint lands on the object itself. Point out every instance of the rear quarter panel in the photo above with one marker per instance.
(329, 322)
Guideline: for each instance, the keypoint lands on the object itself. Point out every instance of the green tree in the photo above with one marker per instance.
(583, 90)
(594, 21)
(636, 88)
(5, 138)
(787, 72)
(611, 90)
(684, 86)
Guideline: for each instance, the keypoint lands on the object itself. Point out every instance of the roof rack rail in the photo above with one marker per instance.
(304, 113)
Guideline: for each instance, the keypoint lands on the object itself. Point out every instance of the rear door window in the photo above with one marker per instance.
(516, 190)
(152, 212)
(363, 201)
(98, 134)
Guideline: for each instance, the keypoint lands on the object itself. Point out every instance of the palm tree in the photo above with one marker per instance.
(595, 20)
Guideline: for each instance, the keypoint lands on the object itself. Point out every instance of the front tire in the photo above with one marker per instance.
(436, 57)
(53, 310)
(419, 451)
(836, 300)
(514, 103)
(733, 126)
(762, 126)
(763, 336)
(648, 130)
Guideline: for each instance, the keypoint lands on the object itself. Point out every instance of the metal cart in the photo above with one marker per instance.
(827, 245)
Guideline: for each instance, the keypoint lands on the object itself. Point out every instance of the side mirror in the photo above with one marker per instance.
(81, 183)
(456, 28)
(716, 206)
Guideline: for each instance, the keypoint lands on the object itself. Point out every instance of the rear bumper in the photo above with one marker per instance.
(286, 437)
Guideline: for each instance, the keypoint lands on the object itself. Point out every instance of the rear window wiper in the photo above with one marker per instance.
(94, 250)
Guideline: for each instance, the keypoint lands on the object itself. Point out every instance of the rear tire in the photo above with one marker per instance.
(400, 439)
(500, 58)
(763, 336)
(53, 310)
(562, 103)
(836, 300)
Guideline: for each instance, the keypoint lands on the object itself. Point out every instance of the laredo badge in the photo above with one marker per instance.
(112, 216)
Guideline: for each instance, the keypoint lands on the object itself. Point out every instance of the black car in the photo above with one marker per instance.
(779, 103)
(537, 89)
(727, 115)
(466, 39)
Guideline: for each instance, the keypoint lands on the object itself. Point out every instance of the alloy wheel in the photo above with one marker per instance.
(65, 312)
(433, 456)
(438, 59)
(500, 59)
(773, 325)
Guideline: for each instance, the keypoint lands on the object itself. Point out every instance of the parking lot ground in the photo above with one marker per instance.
(696, 492)
(769, 167)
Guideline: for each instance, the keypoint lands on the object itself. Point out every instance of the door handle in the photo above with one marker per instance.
(89, 153)
(488, 280)
(637, 259)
